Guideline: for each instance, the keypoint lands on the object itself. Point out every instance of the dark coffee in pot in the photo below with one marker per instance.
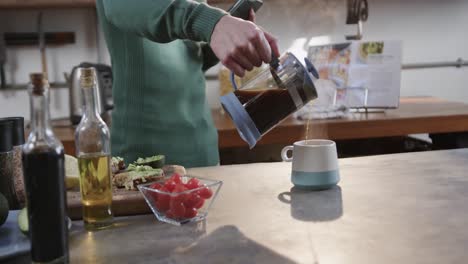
(266, 108)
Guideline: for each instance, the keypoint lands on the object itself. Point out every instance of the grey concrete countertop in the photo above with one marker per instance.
(404, 208)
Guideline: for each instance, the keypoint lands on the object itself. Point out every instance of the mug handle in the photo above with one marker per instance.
(284, 153)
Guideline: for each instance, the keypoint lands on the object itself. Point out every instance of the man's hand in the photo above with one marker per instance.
(271, 40)
(241, 45)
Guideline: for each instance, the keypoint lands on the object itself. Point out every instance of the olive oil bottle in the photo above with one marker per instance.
(92, 139)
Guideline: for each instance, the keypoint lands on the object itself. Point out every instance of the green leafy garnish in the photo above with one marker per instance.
(133, 167)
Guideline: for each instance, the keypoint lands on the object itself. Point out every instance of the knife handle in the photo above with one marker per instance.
(2, 77)
(241, 8)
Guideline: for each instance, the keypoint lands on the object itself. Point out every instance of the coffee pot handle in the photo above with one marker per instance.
(310, 68)
(233, 81)
(274, 63)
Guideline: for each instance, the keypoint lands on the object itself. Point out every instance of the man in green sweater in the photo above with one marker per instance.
(159, 51)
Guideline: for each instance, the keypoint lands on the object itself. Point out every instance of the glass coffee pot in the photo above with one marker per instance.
(271, 96)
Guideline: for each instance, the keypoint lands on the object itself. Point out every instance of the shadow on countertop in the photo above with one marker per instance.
(227, 244)
(318, 206)
(155, 242)
(132, 239)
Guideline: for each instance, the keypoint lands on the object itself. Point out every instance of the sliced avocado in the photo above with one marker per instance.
(131, 179)
(145, 174)
(156, 162)
(23, 221)
(4, 209)
(117, 159)
(133, 167)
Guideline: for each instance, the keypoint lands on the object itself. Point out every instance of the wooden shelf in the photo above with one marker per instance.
(35, 4)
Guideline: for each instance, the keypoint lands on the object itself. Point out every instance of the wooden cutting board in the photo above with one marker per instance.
(124, 202)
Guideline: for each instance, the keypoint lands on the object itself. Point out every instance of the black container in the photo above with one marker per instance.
(6, 162)
(16, 180)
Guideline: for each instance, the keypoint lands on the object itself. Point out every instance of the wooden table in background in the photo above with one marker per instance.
(415, 115)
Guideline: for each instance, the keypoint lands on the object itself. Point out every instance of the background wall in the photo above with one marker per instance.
(431, 30)
(23, 60)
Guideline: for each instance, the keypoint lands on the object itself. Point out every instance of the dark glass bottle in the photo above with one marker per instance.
(44, 175)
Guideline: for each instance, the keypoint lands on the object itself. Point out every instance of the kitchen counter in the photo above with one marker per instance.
(402, 208)
(415, 115)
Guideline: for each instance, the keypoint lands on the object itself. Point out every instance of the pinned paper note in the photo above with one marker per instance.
(364, 73)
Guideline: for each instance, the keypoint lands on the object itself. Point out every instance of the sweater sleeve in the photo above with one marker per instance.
(164, 20)
(209, 58)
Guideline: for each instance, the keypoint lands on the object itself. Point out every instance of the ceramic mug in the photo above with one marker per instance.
(314, 164)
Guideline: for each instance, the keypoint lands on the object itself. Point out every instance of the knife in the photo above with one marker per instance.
(241, 8)
(2, 62)
(41, 36)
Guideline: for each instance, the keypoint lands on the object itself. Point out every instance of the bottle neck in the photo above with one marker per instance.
(90, 107)
(40, 117)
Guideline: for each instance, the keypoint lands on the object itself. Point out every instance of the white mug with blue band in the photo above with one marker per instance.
(314, 164)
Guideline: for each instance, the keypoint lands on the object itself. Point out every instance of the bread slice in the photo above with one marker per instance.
(117, 164)
(130, 179)
(135, 175)
(171, 169)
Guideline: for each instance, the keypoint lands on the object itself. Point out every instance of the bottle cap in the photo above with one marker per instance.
(17, 129)
(37, 79)
(38, 82)
(6, 136)
(87, 77)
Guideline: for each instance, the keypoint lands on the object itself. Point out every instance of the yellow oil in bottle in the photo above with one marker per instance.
(96, 190)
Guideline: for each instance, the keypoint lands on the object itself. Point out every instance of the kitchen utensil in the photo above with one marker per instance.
(40, 33)
(358, 12)
(2, 61)
(152, 196)
(241, 8)
(32, 38)
(314, 164)
(104, 87)
(267, 99)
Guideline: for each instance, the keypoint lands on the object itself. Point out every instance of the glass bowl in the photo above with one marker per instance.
(167, 206)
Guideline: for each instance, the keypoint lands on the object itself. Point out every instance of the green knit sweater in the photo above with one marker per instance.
(159, 53)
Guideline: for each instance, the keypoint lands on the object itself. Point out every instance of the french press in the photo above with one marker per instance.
(271, 96)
